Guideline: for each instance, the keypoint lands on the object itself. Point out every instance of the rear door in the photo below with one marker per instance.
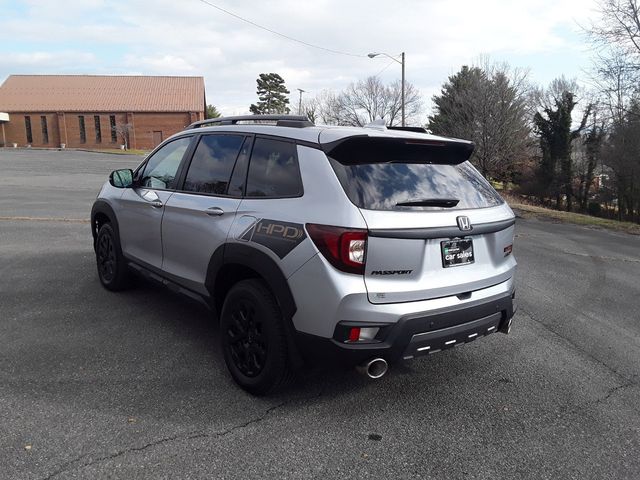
(269, 217)
(436, 228)
(198, 217)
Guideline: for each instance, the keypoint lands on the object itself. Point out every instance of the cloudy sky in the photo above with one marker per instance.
(191, 37)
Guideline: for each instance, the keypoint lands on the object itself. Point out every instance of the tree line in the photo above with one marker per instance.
(565, 146)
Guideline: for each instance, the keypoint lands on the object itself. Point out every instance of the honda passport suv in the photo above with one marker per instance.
(315, 245)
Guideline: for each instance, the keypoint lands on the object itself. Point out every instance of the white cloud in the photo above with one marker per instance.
(192, 38)
(32, 62)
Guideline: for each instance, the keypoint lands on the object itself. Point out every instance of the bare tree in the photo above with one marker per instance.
(621, 154)
(505, 136)
(325, 108)
(123, 131)
(615, 78)
(363, 102)
(587, 152)
(619, 25)
(368, 100)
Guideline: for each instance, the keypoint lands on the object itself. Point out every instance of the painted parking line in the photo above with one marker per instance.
(44, 219)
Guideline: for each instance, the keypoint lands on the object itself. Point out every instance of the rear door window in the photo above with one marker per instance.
(212, 164)
(382, 186)
(273, 170)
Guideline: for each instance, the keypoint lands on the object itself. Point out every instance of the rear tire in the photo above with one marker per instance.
(112, 267)
(253, 338)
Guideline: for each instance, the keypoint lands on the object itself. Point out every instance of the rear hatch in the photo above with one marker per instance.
(436, 226)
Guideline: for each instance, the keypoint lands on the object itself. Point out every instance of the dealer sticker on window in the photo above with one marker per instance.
(456, 252)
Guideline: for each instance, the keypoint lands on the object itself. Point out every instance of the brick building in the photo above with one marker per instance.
(93, 111)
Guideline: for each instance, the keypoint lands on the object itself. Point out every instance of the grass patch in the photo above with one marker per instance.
(118, 151)
(533, 211)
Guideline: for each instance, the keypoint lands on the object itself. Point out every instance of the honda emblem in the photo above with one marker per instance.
(464, 224)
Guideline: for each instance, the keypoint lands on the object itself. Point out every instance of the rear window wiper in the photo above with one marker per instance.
(430, 202)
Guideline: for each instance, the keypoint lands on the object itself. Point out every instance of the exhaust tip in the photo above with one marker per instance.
(375, 368)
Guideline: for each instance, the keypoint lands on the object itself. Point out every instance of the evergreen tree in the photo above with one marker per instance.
(455, 107)
(212, 112)
(272, 95)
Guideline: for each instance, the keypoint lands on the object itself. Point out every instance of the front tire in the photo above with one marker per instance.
(112, 267)
(253, 338)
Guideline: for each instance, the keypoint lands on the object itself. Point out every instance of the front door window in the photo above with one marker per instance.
(161, 169)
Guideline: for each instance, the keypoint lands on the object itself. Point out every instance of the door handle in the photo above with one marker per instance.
(214, 211)
(156, 204)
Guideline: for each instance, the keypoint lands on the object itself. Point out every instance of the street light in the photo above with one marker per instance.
(300, 102)
(375, 54)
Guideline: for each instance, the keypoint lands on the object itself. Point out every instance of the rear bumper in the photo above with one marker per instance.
(415, 335)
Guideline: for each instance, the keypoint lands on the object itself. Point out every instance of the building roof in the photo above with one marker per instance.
(101, 93)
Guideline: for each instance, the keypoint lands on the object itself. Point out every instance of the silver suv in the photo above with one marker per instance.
(315, 244)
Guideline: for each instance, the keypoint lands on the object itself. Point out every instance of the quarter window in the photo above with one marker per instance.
(273, 170)
(160, 171)
(212, 164)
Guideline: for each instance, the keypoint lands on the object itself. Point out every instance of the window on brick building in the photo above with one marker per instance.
(96, 121)
(45, 129)
(112, 126)
(83, 132)
(27, 127)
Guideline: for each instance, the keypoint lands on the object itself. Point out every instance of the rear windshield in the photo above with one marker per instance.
(381, 186)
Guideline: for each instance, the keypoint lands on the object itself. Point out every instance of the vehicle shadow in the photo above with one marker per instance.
(149, 352)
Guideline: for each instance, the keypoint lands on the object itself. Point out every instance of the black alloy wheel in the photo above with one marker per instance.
(112, 267)
(106, 257)
(253, 338)
(247, 343)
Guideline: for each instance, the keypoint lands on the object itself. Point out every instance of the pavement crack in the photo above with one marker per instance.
(45, 219)
(615, 390)
(602, 257)
(577, 347)
(76, 462)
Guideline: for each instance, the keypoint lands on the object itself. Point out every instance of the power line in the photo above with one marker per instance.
(388, 65)
(338, 52)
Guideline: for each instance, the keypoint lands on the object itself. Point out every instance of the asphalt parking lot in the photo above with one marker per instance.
(133, 385)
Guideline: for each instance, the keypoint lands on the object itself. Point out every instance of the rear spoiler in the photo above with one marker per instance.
(361, 149)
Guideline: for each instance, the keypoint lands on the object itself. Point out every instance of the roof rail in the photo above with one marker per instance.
(296, 121)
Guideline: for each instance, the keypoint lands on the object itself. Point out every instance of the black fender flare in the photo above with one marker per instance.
(102, 207)
(260, 262)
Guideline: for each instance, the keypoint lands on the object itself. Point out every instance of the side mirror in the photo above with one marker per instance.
(121, 178)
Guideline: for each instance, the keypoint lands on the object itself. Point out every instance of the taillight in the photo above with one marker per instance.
(344, 248)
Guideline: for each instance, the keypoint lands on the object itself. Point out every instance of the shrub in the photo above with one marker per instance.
(594, 208)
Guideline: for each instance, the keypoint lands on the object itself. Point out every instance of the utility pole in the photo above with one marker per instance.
(300, 102)
(403, 118)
